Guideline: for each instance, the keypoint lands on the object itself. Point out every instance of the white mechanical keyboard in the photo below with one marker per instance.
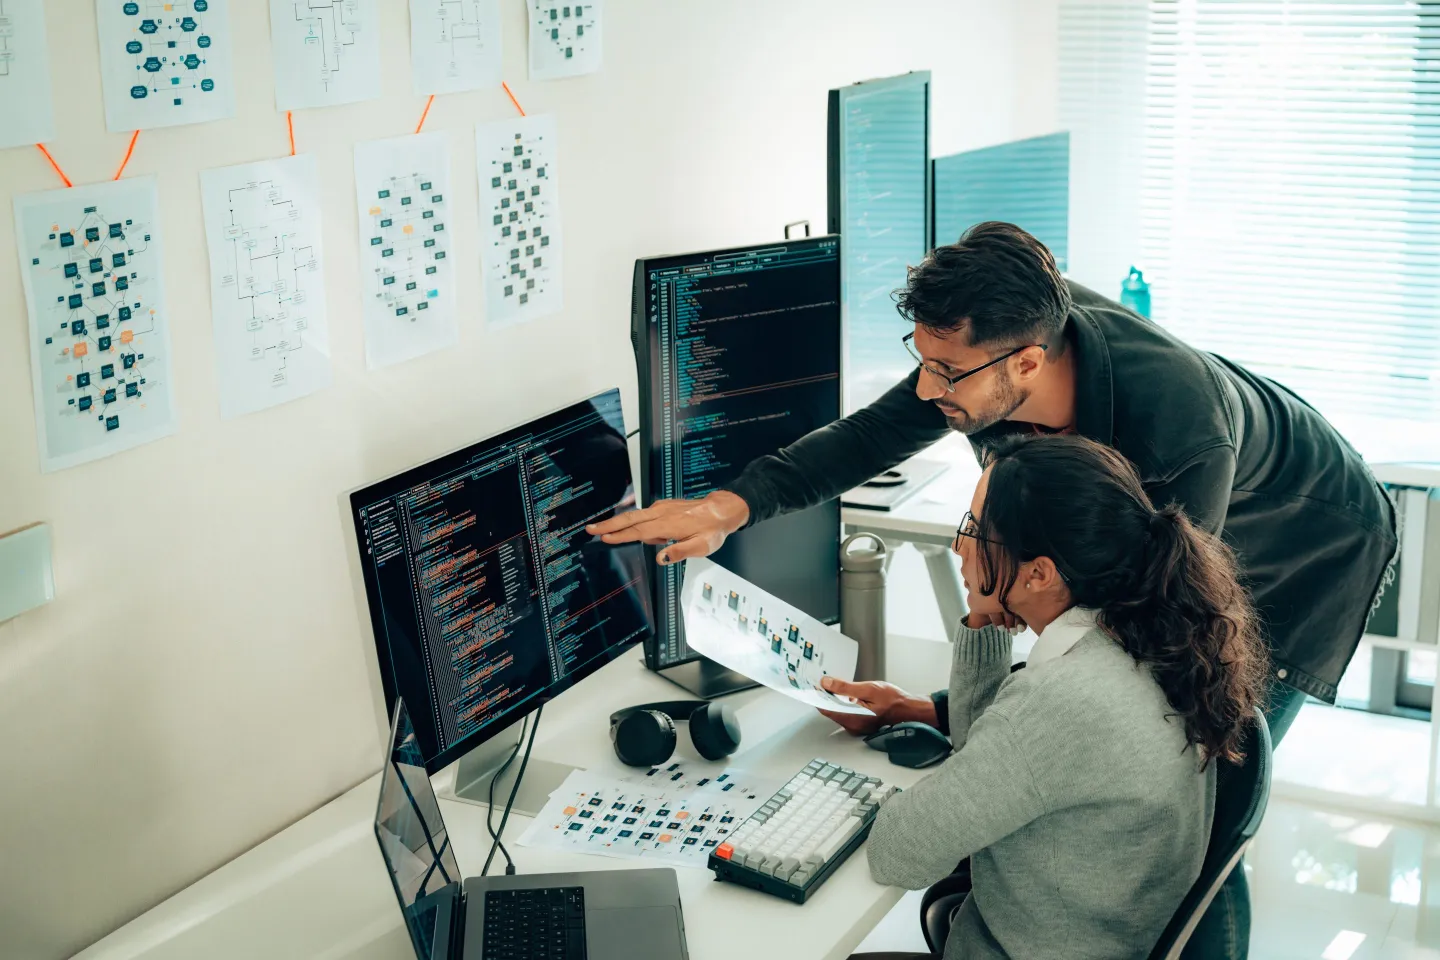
(809, 827)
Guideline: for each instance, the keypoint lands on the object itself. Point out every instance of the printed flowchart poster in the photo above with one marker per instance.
(564, 39)
(164, 64)
(325, 52)
(267, 282)
(454, 45)
(402, 187)
(27, 115)
(520, 219)
(90, 261)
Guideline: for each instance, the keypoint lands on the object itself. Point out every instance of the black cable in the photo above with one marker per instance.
(632, 433)
(490, 808)
(525, 760)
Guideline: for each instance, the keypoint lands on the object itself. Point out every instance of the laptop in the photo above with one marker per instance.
(593, 915)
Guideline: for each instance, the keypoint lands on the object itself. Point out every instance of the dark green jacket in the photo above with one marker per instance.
(1245, 457)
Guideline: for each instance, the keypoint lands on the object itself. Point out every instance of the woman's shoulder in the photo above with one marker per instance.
(1096, 677)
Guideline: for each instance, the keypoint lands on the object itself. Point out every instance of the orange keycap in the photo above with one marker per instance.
(724, 850)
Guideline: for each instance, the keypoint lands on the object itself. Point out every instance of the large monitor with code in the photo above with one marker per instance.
(739, 354)
(487, 597)
(878, 153)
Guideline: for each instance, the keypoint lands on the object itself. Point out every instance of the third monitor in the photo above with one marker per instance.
(739, 353)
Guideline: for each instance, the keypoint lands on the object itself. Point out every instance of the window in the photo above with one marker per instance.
(1274, 168)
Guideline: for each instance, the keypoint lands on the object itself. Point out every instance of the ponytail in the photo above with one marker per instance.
(1165, 590)
(1188, 619)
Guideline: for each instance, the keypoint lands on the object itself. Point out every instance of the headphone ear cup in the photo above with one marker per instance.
(715, 731)
(645, 738)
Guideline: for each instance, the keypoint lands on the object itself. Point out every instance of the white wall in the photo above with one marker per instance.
(203, 677)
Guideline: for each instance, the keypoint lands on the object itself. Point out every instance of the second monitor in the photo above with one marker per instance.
(739, 354)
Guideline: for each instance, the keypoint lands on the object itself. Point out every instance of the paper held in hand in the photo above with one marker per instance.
(740, 626)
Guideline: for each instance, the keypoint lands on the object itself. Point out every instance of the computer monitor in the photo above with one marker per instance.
(486, 595)
(415, 844)
(879, 204)
(1024, 182)
(739, 354)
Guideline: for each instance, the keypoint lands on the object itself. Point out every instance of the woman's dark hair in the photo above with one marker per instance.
(997, 282)
(1165, 590)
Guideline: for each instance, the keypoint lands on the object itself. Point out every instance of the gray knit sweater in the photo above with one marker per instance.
(1083, 812)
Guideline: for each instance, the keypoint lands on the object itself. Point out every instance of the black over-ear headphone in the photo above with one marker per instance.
(644, 736)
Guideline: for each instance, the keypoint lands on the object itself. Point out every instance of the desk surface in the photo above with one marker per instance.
(318, 889)
(934, 511)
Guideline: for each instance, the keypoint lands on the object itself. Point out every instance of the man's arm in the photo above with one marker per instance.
(1201, 486)
(824, 464)
(813, 469)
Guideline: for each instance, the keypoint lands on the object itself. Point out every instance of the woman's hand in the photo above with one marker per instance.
(888, 702)
(999, 619)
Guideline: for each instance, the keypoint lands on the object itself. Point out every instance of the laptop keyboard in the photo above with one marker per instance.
(545, 923)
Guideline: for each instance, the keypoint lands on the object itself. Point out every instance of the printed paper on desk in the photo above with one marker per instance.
(672, 814)
(740, 626)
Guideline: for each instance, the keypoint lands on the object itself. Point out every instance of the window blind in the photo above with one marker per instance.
(1285, 199)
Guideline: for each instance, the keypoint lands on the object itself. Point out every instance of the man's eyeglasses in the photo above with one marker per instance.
(945, 378)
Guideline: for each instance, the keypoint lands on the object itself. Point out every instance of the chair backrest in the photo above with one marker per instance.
(1241, 795)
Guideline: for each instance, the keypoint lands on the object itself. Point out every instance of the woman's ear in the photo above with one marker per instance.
(1041, 576)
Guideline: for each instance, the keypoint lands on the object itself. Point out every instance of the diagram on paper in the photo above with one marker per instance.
(267, 284)
(520, 218)
(99, 333)
(670, 814)
(326, 52)
(26, 112)
(454, 45)
(403, 190)
(731, 620)
(564, 39)
(163, 64)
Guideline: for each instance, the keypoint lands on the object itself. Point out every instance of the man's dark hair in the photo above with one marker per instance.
(998, 283)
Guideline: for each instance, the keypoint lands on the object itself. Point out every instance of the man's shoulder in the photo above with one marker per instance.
(1169, 400)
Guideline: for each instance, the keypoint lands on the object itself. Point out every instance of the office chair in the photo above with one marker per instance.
(1241, 795)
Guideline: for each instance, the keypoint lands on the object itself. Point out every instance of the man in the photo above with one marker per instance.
(1005, 345)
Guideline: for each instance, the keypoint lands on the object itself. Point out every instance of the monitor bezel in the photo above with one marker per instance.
(407, 477)
(640, 341)
(455, 887)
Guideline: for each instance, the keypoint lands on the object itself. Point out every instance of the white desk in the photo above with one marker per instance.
(318, 889)
(928, 521)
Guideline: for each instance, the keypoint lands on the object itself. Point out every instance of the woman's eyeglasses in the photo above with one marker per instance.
(970, 527)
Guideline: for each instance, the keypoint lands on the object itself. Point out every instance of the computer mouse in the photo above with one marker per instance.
(911, 744)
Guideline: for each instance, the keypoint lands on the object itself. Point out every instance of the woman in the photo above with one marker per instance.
(1082, 786)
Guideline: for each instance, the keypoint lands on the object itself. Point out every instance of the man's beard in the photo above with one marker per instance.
(1003, 401)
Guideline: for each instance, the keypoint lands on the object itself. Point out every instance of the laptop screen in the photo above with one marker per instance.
(414, 841)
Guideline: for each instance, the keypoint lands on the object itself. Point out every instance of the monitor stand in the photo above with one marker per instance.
(706, 679)
(474, 771)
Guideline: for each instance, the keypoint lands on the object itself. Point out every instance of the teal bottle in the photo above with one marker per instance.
(1135, 293)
